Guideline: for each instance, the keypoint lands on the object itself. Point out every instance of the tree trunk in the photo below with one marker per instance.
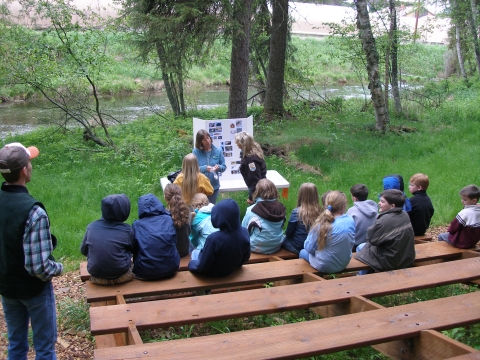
(237, 102)
(276, 64)
(461, 62)
(473, 28)
(394, 56)
(369, 47)
(169, 87)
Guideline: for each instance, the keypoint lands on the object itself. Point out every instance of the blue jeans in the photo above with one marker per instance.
(304, 255)
(213, 198)
(444, 237)
(41, 311)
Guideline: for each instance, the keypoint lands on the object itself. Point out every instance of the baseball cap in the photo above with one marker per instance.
(15, 156)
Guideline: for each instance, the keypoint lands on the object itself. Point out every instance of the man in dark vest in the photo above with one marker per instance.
(26, 262)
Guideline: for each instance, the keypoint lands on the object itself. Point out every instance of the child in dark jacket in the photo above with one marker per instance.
(225, 250)
(108, 243)
(302, 218)
(390, 241)
(252, 166)
(155, 255)
(422, 208)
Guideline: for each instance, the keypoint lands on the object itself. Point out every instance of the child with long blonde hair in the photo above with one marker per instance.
(302, 218)
(252, 166)
(328, 247)
(264, 220)
(191, 180)
(181, 216)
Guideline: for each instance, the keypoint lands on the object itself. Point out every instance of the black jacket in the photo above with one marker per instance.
(421, 213)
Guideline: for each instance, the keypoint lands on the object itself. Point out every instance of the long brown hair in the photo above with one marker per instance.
(190, 172)
(176, 205)
(266, 190)
(335, 202)
(308, 204)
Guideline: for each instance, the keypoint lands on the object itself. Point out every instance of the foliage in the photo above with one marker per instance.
(63, 63)
(74, 316)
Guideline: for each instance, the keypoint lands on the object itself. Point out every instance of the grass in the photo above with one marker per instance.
(332, 150)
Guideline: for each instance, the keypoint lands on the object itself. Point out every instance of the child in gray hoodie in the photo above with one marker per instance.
(363, 211)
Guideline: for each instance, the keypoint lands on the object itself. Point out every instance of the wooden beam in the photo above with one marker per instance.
(314, 337)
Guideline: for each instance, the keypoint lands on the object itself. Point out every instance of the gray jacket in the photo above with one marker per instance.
(390, 242)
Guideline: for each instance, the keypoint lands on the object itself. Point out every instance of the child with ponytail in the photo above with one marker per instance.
(328, 247)
(181, 216)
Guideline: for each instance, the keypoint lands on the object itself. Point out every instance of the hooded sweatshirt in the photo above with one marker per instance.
(201, 226)
(225, 250)
(264, 221)
(155, 254)
(396, 182)
(108, 242)
(464, 230)
(364, 213)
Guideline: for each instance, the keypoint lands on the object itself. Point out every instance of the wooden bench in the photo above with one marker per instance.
(439, 251)
(314, 337)
(421, 239)
(166, 313)
(254, 258)
(249, 274)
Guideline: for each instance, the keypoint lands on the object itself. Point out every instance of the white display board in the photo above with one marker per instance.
(223, 134)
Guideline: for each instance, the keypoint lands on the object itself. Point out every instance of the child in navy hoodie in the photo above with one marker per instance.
(108, 243)
(225, 250)
(155, 255)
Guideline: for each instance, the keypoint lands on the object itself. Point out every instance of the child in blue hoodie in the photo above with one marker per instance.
(225, 250)
(363, 211)
(108, 243)
(201, 222)
(155, 255)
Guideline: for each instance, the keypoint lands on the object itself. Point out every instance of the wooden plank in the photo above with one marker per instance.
(472, 356)
(192, 310)
(315, 337)
(254, 258)
(185, 281)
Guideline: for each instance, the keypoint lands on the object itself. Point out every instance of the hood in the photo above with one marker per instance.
(116, 207)
(226, 215)
(150, 205)
(369, 208)
(391, 182)
(207, 209)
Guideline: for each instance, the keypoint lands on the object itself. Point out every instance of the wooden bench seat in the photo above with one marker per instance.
(314, 337)
(166, 313)
(421, 239)
(254, 258)
(249, 274)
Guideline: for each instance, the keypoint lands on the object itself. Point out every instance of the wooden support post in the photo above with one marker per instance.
(133, 336)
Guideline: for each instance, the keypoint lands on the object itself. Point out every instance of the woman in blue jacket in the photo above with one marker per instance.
(155, 255)
(211, 161)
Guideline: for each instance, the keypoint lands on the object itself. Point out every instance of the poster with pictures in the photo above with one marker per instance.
(223, 134)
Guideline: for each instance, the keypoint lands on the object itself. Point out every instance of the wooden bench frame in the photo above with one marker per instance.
(254, 258)
(129, 334)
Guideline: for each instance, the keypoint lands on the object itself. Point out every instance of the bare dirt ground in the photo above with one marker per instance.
(70, 345)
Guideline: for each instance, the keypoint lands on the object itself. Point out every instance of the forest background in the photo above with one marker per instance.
(319, 138)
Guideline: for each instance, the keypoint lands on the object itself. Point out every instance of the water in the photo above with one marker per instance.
(24, 116)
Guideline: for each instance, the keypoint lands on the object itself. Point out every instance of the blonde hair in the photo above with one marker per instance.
(308, 204)
(335, 202)
(199, 200)
(176, 205)
(266, 190)
(190, 171)
(249, 147)
(420, 180)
